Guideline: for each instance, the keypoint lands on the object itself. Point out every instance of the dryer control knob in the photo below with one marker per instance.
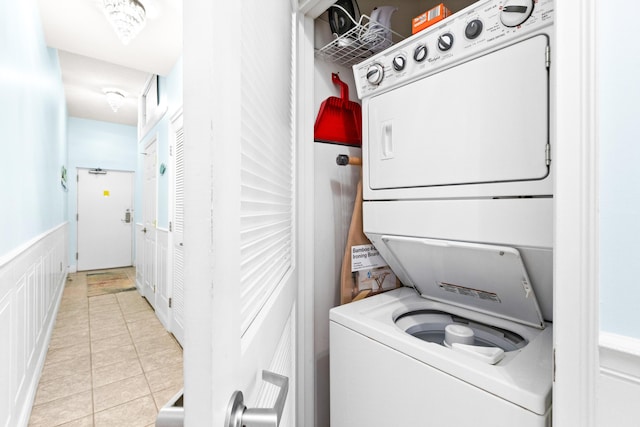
(375, 73)
(515, 12)
(473, 30)
(399, 62)
(445, 42)
(420, 54)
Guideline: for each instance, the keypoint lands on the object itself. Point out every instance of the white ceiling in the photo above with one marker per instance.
(93, 58)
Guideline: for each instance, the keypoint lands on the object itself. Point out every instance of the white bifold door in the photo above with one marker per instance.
(240, 226)
(105, 219)
(177, 232)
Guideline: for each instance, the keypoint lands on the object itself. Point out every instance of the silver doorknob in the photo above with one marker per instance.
(238, 415)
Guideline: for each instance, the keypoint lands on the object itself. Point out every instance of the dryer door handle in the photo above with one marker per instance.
(386, 140)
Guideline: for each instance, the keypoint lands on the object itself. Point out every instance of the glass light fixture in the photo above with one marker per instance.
(115, 98)
(127, 17)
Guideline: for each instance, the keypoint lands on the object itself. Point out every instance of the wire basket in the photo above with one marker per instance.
(362, 41)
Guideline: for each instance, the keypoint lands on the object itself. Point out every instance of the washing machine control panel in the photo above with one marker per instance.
(483, 27)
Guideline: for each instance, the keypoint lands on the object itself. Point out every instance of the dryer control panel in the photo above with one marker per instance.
(477, 30)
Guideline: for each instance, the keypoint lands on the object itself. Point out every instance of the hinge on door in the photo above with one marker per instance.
(76, 256)
(554, 365)
(77, 217)
(169, 302)
(170, 227)
(547, 55)
(547, 154)
(77, 178)
(154, 289)
(171, 150)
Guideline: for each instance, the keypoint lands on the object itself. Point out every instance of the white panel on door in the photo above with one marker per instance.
(482, 121)
(283, 362)
(149, 219)
(266, 205)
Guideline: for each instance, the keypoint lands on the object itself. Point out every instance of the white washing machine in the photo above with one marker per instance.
(458, 199)
(468, 346)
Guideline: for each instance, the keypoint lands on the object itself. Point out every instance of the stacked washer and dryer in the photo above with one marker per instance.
(458, 199)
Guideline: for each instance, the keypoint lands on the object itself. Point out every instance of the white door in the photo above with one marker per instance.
(105, 218)
(177, 231)
(149, 223)
(241, 274)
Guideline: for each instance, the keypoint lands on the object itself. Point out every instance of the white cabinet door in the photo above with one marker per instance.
(104, 232)
(177, 233)
(241, 275)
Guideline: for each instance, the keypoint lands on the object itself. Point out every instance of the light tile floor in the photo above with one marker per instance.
(110, 362)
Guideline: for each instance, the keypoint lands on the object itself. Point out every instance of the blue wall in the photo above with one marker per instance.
(619, 91)
(33, 123)
(95, 144)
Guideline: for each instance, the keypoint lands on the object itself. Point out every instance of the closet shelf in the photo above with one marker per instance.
(362, 41)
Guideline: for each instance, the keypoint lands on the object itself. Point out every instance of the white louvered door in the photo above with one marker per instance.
(177, 232)
(241, 274)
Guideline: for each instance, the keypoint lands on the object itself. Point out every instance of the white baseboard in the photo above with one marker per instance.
(620, 355)
(619, 381)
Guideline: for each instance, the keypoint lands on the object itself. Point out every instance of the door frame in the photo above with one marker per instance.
(576, 308)
(576, 258)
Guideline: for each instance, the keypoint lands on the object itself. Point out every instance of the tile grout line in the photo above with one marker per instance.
(93, 403)
(135, 348)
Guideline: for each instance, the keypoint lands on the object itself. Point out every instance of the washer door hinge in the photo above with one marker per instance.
(554, 365)
(547, 154)
(547, 55)
(169, 302)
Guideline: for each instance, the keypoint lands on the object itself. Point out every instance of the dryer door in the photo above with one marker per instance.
(482, 121)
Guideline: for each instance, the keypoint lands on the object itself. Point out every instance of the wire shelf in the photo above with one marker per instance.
(362, 41)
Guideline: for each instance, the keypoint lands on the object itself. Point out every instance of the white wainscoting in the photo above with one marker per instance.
(32, 278)
(619, 381)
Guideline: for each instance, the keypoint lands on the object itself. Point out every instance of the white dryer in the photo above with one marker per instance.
(458, 199)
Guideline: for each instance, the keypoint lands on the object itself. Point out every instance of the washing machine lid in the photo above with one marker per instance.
(484, 278)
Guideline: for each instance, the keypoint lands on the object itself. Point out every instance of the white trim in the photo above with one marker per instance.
(154, 117)
(620, 356)
(576, 222)
(16, 252)
(175, 116)
(305, 183)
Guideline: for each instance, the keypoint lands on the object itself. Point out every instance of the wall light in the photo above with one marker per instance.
(115, 98)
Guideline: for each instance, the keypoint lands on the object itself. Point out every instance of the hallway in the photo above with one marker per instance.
(110, 361)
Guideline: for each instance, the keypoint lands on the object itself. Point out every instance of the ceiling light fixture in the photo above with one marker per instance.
(127, 17)
(115, 98)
